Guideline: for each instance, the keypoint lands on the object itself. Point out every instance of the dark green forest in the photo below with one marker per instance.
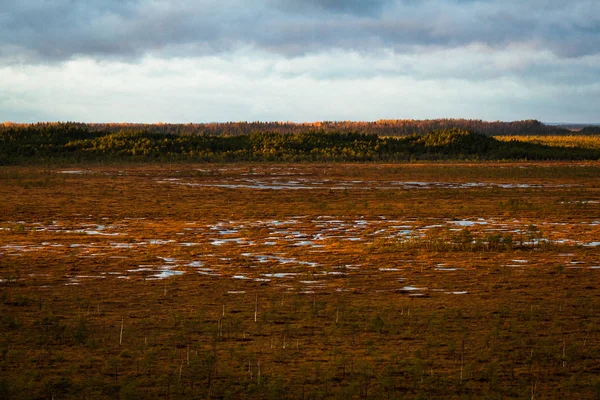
(396, 127)
(74, 142)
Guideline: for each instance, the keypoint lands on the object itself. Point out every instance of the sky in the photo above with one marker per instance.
(185, 61)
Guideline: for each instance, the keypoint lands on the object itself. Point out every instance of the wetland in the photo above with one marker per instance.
(432, 280)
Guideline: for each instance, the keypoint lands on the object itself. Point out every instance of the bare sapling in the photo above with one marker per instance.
(121, 333)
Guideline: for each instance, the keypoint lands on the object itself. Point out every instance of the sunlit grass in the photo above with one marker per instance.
(574, 141)
(376, 290)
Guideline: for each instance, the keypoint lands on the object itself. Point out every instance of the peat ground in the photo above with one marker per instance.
(301, 281)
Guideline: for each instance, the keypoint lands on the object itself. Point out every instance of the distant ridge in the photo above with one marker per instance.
(71, 142)
(572, 126)
(387, 128)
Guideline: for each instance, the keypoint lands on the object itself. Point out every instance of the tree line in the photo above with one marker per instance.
(80, 142)
(403, 127)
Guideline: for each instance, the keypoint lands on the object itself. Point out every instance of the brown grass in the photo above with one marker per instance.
(78, 254)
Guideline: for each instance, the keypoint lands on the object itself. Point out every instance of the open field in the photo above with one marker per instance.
(301, 281)
(573, 141)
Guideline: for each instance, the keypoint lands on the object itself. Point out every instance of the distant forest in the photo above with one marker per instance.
(382, 141)
(391, 128)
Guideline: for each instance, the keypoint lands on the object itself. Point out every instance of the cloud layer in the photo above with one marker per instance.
(219, 60)
(247, 87)
(41, 30)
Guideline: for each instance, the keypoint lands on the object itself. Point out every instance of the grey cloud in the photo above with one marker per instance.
(357, 7)
(41, 30)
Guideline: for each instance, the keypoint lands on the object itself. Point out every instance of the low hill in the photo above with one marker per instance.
(590, 130)
(77, 143)
(395, 128)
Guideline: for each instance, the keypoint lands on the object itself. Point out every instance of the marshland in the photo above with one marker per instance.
(261, 280)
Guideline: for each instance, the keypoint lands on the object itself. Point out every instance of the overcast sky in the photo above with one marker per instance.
(299, 60)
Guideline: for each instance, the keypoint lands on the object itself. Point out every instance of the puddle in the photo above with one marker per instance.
(281, 260)
(141, 269)
(167, 273)
(304, 183)
(160, 241)
(282, 275)
(221, 242)
(304, 243)
(207, 271)
(115, 245)
(227, 232)
(195, 264)
(98, 233)
(89, 277)
(467, 223)
(75, 172)
(293, 236)
(410, 288)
